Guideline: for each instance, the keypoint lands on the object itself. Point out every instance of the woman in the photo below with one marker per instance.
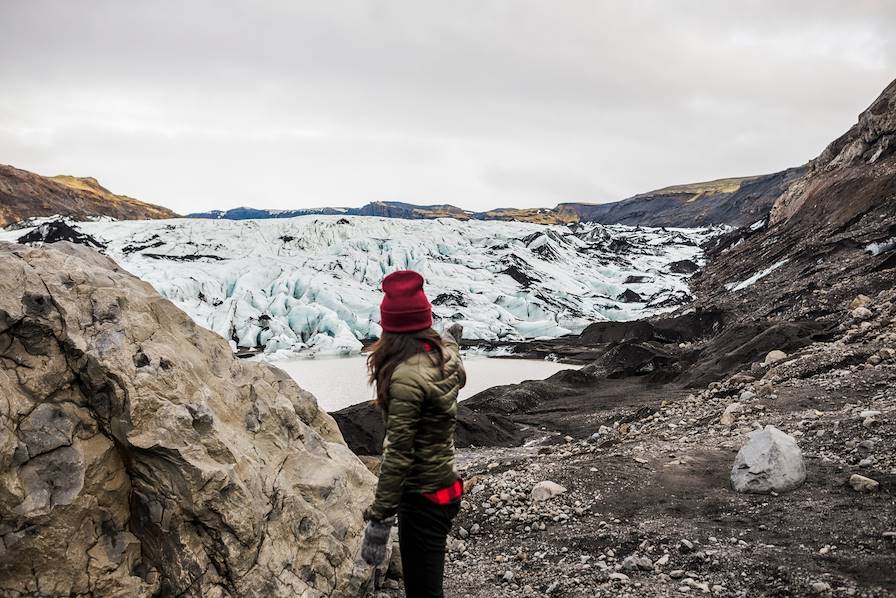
(417, 375)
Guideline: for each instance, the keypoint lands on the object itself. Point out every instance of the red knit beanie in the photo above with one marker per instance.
(405, 307)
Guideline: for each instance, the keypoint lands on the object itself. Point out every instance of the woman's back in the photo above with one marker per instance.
(419, 379)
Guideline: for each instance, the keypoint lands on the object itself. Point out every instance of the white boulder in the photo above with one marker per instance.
(546, 490)
(770, 461)
(774, 356)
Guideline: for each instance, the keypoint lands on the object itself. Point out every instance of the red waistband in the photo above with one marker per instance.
(446, 495)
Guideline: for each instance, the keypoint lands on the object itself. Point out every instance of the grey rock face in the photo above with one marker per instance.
(770, 461)
(138, 457)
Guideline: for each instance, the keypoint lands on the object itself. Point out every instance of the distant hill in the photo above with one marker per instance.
(25, 195)
(734, 201)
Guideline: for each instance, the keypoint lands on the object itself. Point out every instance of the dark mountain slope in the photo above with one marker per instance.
(736, 202)
(831, 235)
(25, 194)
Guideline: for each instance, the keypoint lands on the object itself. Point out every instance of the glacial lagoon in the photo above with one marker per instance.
(339, 382)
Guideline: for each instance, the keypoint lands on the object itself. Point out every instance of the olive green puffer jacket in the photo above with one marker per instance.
(418, 452)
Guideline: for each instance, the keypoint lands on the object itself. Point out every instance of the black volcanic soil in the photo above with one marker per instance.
(646, 467)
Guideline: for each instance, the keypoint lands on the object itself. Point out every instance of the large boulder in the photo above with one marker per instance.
(138, 457)
(770, 461)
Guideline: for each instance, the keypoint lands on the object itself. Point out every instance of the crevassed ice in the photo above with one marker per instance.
(312, 283)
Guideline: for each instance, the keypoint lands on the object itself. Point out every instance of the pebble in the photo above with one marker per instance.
(634, 563)
(860, 483)
(821, 587)
(861, 313)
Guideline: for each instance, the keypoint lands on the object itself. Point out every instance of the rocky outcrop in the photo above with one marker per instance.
(26, 195)
(867, 151)
(138, 457)
(831, 235)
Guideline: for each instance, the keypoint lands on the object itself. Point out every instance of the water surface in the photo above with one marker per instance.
(339, 382)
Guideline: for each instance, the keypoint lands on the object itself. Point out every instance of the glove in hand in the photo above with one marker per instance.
(376, 537)
(455, 331)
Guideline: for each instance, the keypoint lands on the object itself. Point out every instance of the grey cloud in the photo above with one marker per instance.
(211, 104)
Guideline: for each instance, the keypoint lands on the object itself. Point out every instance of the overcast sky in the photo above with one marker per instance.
(284, 104)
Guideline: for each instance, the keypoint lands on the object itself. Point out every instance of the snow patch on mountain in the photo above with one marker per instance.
(312, 284)
(739, 286)
(881, 247)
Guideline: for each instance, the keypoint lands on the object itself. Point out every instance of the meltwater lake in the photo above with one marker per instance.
(339, 382)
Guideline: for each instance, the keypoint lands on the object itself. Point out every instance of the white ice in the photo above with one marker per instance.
(311, 284)
(739, 286)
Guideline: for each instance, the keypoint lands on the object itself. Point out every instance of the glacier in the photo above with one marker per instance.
(311, 284)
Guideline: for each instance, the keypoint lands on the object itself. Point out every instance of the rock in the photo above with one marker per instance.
(616, 576)
(56, 231)
(124, 444)
(676, 573)
(633, 562)
(821, 587)
(770, 461)
(686, 546)
(508, 575)
(861, 313)
(764, 388)
(683, 267)
(394, 569)
(730, 413)
(860, 483)
(546, 490)
(629, 296)
(868, 413)
(859, 301)
(774, 356)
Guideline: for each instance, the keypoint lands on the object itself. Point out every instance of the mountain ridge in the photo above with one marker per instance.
(25, 194)
(736, 201)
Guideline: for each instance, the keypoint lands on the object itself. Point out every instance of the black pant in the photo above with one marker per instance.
(423, 527)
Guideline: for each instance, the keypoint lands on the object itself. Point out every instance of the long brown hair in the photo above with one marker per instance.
(391, 349)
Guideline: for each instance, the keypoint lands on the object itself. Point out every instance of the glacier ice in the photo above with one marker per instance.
(310, 284)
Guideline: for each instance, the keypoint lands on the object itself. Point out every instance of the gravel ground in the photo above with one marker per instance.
(648, 508)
